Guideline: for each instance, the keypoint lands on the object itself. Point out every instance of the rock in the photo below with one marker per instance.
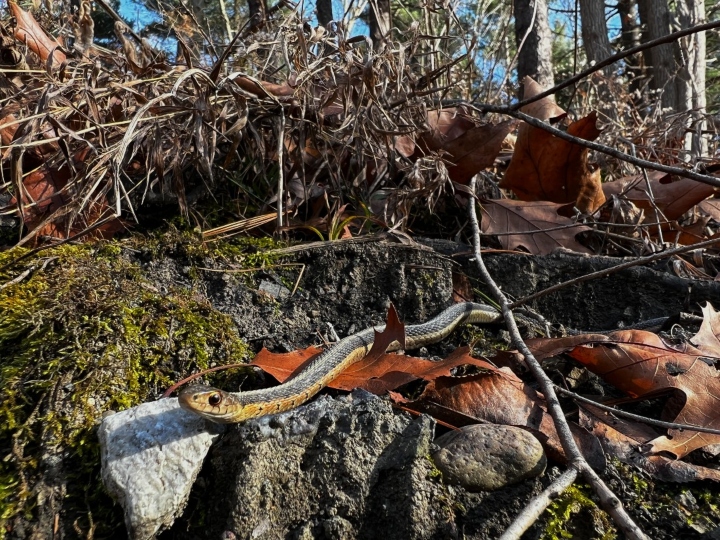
(485, 457)
(151, 455)
(274, 289)
(349, 467)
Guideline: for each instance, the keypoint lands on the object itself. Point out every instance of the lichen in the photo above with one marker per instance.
(82, 333)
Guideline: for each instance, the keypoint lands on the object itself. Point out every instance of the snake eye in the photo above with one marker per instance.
(215, 399)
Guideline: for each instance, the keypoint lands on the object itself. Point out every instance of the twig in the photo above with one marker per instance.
(607, 271)
(538, 504)
(608, 500)
(637, 417)
(281, 179)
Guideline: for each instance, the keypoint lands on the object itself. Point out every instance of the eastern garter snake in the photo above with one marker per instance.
(230, 407)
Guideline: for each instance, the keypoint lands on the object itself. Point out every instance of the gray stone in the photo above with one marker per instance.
(274, 289)
(151, 455)
(345, 468)
(485, 457)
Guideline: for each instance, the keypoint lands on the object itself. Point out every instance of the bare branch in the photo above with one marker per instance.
(608, 500)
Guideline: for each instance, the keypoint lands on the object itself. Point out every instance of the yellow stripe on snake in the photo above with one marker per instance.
(230, 407)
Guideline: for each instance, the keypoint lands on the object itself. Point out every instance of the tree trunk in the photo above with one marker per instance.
(691, 79)
(630, 37)
(597, 48)
(380, 20)
(655, 17)
(324, 12)
(257, 10)
(594, 32)
(535, 57)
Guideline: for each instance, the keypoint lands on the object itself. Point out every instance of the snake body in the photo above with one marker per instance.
(230, 407)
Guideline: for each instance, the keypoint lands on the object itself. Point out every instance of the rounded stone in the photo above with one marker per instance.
(485, 457)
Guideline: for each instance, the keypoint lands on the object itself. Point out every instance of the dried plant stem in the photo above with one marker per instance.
(538, 504)
(281, 178)
(607, 271)
(608, 500)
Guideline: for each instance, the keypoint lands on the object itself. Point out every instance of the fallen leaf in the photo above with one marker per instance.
(469, 148)
(673, 195)
(622, 438)
(711, 207)
(543, 348)
(641, 365)
(546, 168)
(530, 221)
(707, 339)
(500, 397)
(377, 374)
(394, 332)
(283, 365)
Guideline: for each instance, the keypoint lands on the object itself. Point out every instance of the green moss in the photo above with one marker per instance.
(84, 334)
(573, 501)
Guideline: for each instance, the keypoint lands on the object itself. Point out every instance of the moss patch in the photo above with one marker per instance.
(564, 517)
(85, 332)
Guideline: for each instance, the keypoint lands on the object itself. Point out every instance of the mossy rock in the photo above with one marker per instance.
(84, 331)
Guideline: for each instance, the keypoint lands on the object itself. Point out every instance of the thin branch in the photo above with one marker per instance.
(534, 509)
(281, 170)
(637, 417)
(608, 271)
(608, 500)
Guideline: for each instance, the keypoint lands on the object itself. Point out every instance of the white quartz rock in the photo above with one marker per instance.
(151, 455)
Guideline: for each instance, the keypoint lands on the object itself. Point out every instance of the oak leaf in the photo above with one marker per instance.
(377, 374)
(467, 146)
(546, 168)
(673, 195)
(529, 225)
(500, 397)
(643, 366)
(622, 438)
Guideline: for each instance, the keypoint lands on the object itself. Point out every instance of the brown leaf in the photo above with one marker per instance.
(530, 220)
(377, 374)
(546, 168)
(390, 371)
(711, 207)
(622, 438)
(708, 337)
(673, 195)
(500, 397)
(469, 148)
(45, 204)
(394, 331)
(641, 365)
(29, 31)
(543, 348)
(283, 365)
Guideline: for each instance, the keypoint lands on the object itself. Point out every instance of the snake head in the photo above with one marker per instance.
(211, 403)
